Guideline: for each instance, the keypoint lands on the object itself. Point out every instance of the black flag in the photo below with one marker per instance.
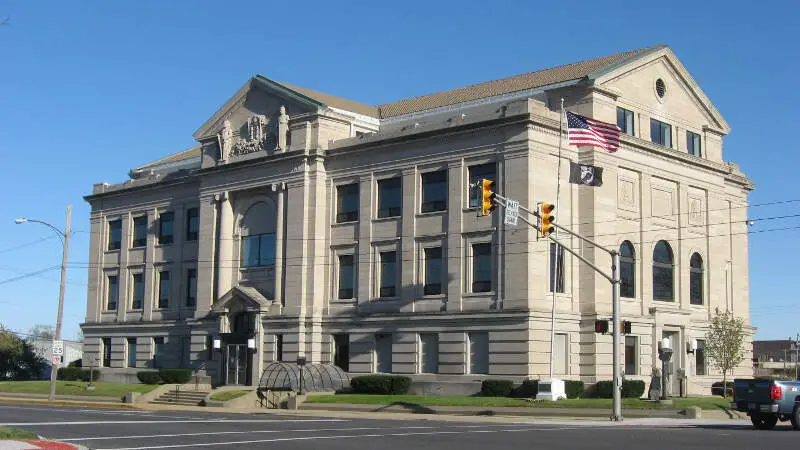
(585, 174)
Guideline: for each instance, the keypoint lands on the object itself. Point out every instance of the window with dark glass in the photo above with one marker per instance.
(482, 267)
(627, 270)
(341, 351)
(158, 352)
(347, 276)
(434, 191)
(693, 144)
(279, 347)
(140, 231)
(388, 274)
(476, 174)
(661, 133)
(112, 296)
(433, 271)
(390, 197)
(625, 120)
(138, 290)
(191, 288)
(131, 352)
(347, 203)
(631, 356)
(663, 268)
(700, 357)
(258, 250)
(166, 228)
(696, 279)
(192, 224)
(106, 352)
(114, 234)
(163, 289)
(556, 268)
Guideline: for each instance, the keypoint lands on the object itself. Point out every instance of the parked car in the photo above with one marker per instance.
(767, 401)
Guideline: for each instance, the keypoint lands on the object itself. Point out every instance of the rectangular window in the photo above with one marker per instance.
(192, 224)
(700, 357)
(138, 290)
(560, 354)
(341, 351)
(631, 356)
(191, 288)
(429, 352)
(131, 352)
(482, 267)
(163, 289)
(388, 274)
(278, 347)
(433, 271)
(106, 351)
(434, 191)
(693, 144)
(661, 133)
(158, 352)
(476, 174)
(140, 231)
(625, 120)
(114, 234)
(556, 267)
(112, 296)
(166, 223)
(258, 250)
(478, 344)
(383, 353)
(390, 197)
(347, 276)
(347, 203)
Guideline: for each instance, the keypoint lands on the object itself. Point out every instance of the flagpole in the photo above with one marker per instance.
(554, 278)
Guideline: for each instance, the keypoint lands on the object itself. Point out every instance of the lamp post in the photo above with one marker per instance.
(64, 236)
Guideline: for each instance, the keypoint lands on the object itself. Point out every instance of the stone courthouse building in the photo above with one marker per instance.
(304, 223)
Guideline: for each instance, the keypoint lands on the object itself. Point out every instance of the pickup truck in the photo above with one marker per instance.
(767, 401)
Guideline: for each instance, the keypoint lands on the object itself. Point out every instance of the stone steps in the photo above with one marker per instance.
(185, 398)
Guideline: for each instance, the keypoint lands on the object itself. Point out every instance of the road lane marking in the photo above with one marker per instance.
(119, 422)
(312, 438)
(146, 436)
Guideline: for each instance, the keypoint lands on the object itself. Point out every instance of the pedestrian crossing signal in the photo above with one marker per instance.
(601, 326)
(487, 197)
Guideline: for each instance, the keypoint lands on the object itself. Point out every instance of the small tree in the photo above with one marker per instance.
(43, 332)
(724, 344)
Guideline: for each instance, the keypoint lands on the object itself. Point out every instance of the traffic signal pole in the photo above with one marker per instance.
(613, 278)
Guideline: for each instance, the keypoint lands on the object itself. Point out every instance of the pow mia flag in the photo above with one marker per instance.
(585, 174)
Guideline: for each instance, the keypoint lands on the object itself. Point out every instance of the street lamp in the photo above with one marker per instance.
(64, 236)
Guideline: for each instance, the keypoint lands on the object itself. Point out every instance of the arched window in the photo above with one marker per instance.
(696, 279)
(663, 272)
(258, 235)
(627, 270)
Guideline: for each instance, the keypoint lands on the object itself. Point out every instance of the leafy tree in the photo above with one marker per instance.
(43, 332)
(18, 360)
(725, 343)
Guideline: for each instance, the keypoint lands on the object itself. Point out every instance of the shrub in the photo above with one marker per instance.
(175, 376)
(716, 388)
(380, 384)
(76, 363)
(604, 389)
(574, 388)
(632, 388)
(496, 388)
(148, 377)
(77, 374)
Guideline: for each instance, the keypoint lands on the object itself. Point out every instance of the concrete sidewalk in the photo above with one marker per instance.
(30, 444)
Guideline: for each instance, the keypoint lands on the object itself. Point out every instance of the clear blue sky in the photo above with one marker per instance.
(90, 89)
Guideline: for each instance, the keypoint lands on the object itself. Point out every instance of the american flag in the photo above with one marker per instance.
(586, 131)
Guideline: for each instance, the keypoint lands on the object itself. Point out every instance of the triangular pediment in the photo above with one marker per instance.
(241, 298)
(635, 80)
(259, 97)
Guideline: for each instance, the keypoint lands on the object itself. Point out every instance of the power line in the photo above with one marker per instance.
(28, 275)
(27, 244)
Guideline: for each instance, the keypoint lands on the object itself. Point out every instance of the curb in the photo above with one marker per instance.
(25, 444)
(38, 401)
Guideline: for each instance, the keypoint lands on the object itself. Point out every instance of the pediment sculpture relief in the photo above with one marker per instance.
(260, 136)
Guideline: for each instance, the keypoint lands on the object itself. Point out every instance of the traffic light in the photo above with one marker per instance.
(601, 326)
(487, 197)
(548, 217)
(626, 327)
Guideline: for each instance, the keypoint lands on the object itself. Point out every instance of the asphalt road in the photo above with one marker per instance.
(135, 429)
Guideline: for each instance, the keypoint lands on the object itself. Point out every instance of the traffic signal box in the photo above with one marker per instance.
(602, 326)
(547, 215)
(487, 197)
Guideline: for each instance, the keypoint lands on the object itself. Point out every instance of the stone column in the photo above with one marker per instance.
(279, 245)
(225, 239)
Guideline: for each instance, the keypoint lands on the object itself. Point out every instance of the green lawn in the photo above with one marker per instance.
(362, 399)
(13, 433)
(102, 389)
(228, 395)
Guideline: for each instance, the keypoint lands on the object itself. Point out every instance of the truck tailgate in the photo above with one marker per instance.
(756, 391)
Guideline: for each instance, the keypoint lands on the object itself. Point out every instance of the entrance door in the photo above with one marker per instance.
(674, 363)
(236, 362)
